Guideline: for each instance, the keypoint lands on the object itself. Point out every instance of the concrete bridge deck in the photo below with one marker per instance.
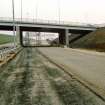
(46, 23)
(64, 30)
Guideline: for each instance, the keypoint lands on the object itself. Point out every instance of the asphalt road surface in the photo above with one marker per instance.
(88, 65)
(30, 79)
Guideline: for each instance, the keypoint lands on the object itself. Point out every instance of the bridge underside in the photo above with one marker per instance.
(63, 33)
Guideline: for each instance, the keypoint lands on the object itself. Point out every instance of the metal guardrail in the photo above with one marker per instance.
(5, 52)
(41, 21)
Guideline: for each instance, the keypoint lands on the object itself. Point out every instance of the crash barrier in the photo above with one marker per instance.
(6, 52)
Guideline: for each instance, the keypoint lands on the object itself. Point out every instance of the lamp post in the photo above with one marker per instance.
(36, 10)
(59, 11)
(13, 13)
(21, 10)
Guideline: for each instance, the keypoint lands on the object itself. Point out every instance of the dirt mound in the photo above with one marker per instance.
(94, 40)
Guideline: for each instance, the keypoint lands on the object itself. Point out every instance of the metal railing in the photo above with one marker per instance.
(41, 21)
(5, 52)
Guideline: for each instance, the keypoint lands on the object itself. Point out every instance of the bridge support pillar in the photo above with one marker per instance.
(21, 38)
(18, 35)
(67, 37)
(62, 38)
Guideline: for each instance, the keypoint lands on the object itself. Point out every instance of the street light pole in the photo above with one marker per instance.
(36, 10)
(59, 10)
(21, 10)
(13, 22)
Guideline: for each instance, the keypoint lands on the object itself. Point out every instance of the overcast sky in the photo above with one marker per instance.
(88, 11)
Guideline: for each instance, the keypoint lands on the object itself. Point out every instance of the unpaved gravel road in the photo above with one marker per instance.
(31, 80)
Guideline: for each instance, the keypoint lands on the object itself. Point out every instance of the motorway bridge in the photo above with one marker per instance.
(50, 75)
(64, 29)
